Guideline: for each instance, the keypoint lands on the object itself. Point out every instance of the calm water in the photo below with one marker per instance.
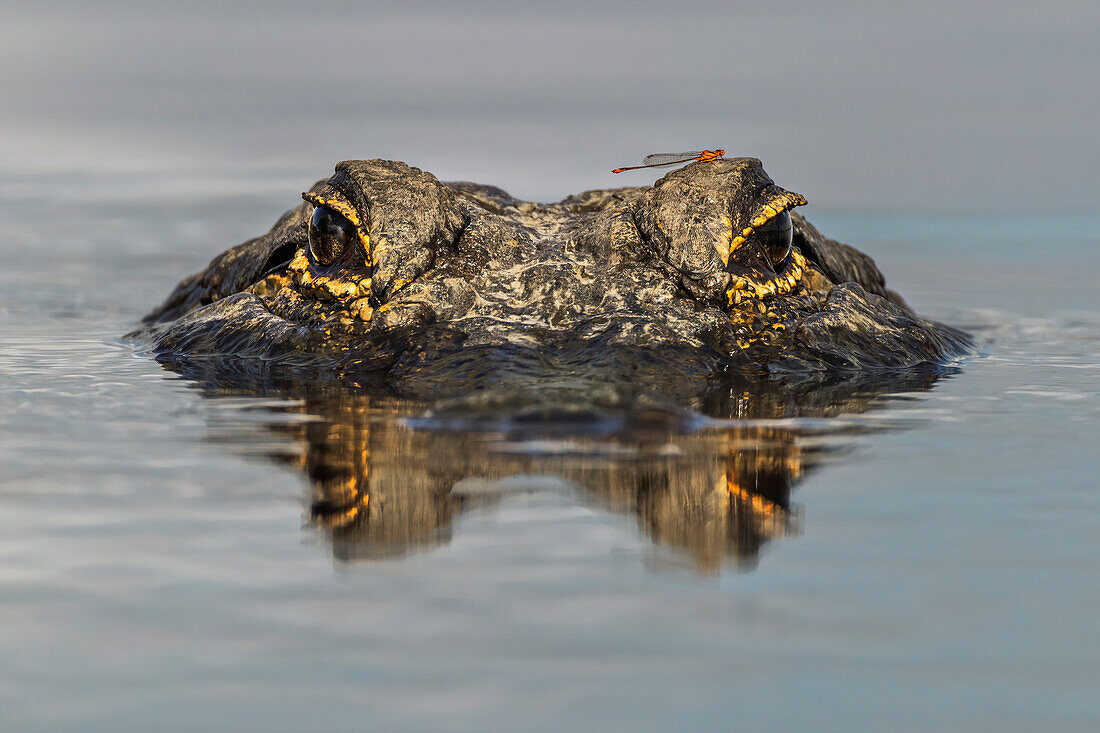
(173, 558)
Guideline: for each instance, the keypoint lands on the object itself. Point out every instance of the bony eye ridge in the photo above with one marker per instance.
(330, 235)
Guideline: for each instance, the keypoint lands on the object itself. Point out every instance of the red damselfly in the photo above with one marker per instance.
(664, 160)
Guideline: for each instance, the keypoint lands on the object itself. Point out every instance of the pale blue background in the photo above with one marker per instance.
(963, 106)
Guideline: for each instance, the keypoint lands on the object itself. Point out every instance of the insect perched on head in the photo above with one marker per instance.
(667, 160)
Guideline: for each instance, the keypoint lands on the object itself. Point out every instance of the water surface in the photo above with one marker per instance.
(909, 556)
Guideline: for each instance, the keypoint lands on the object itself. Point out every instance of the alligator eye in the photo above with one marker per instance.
(330, 234)
(775, 237)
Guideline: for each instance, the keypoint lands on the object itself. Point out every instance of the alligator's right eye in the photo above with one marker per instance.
(330, 234)
(776, 237)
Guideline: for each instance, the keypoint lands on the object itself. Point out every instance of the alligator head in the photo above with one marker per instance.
(441, 289)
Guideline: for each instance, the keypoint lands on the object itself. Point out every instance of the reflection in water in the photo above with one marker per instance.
(389, 477)
(382, 488)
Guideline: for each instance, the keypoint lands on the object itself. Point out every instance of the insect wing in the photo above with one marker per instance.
(659, 159)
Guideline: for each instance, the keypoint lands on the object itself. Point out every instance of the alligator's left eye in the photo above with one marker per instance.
(775, 236)
(330, 235)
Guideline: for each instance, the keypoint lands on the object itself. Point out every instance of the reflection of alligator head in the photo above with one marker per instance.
(443, 289)
(384, 487)
(636, 302)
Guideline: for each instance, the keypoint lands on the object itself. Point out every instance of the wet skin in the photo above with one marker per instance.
(613, 318)
(449, 290)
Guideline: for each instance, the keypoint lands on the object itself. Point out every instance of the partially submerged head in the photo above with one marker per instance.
(386, 269)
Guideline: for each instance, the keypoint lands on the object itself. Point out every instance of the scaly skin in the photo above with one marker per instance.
(447, 289)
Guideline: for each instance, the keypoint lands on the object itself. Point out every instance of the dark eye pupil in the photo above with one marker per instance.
(330, 234)
(776, 236)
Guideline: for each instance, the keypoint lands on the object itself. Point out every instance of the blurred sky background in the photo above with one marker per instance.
(862, 106)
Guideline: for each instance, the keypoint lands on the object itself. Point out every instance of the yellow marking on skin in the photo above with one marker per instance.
(728, 236)
(299, 263)
(662, 228)
(339, 289)
(363, 311)
(800, 263)
(779, 202)
(339, 205)
(378, 250)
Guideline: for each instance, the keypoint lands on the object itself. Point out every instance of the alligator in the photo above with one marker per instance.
(386, 275)
(418, 322)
